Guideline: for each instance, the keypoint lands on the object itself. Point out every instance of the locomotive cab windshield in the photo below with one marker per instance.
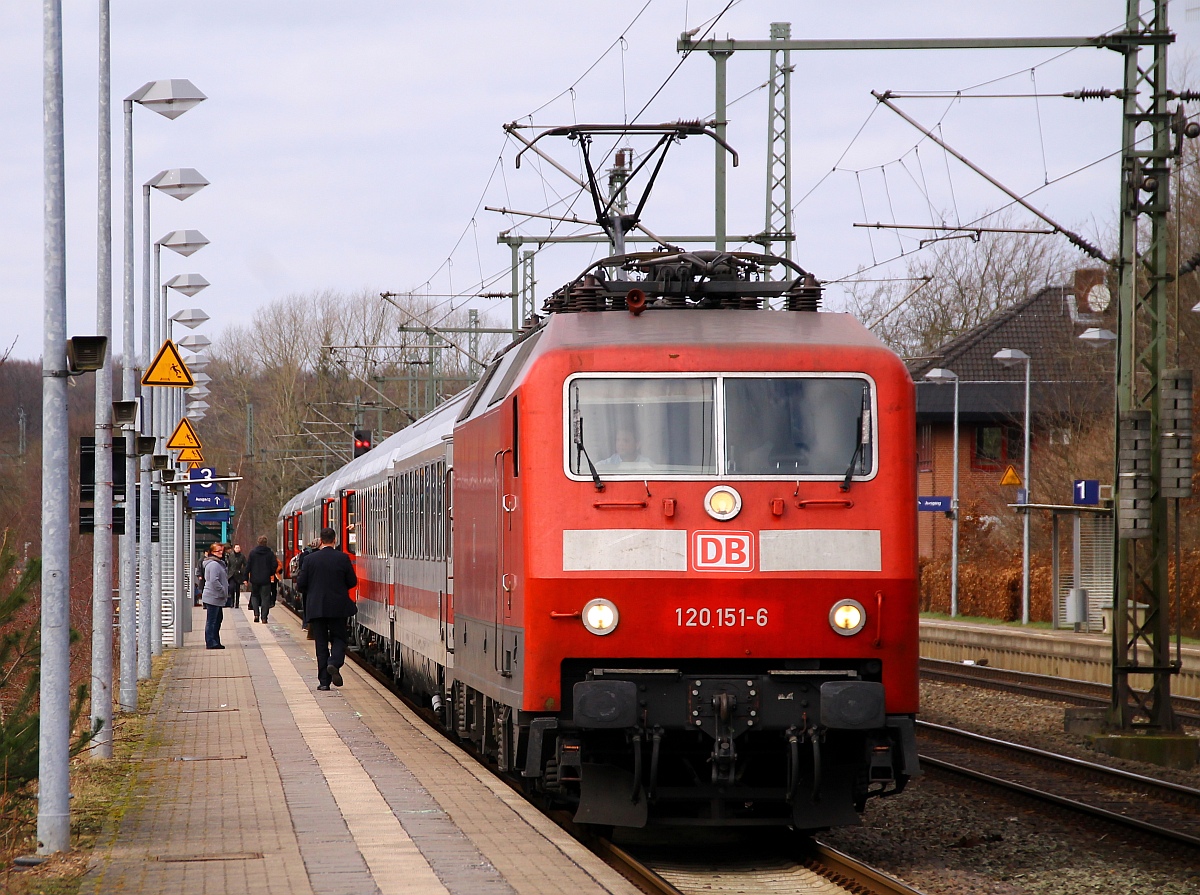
(727, 425)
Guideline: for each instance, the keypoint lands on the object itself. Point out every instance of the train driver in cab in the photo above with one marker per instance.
(627, 453)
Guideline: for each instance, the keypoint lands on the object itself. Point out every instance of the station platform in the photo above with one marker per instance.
(255, 782)
(1040, 650)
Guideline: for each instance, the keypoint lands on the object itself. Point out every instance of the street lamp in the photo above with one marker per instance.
(1010, 357)
(1097, 337)
(170, 98)
(941, 375)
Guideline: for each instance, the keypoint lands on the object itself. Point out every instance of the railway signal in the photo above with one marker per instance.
(362, 441)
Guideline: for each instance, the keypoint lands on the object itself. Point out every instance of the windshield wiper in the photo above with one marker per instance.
(864, 435)
(583, 452)
(850, 469)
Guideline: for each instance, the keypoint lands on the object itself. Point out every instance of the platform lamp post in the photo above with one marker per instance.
(940, 375)
(179, 183)
(170, 98)
(1010, 357)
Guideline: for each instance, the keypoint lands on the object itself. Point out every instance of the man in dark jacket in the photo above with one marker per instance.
(260, 569)
(235, 561)
(325, 580)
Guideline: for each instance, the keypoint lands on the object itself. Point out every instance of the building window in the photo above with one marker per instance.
(924, 447)
(996, 447)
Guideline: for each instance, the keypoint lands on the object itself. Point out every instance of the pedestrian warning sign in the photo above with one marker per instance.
(1010, 477)
(184, 436)
(168, 369)
(191, 455)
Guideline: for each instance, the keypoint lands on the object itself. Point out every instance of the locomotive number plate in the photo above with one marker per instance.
(703, 617)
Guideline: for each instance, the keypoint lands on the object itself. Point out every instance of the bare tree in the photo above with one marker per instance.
(966, 281)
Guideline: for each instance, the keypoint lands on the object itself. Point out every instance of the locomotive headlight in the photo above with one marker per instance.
(723, 503)
(847, 617)
(600, 616)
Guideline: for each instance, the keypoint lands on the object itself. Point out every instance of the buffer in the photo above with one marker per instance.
(184, 436)
(168, 369)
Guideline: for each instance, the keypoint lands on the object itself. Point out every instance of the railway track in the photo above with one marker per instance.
(1042, 686)
(748, 864)
(1165, 811)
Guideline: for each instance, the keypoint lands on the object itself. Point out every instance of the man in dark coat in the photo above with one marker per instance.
(325, 580)
(260, 570)
(235, 561)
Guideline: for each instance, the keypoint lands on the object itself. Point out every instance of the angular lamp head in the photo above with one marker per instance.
(185, 242)
(178, 182)
(160, 461)
(169, 97)
(187, 283)
(146, 445)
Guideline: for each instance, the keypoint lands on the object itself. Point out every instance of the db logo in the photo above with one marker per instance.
(726, 551)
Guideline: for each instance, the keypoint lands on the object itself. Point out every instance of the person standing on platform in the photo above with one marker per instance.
(235, 561)
(260, 569)
(215, 594)
(325, 580)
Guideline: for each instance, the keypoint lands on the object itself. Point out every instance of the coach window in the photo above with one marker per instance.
(639, 427)
(797, 426)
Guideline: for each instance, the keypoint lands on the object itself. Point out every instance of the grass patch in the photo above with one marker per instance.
(102, 791)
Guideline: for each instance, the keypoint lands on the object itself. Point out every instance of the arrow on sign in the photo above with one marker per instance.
(184, 436)
(168, 369)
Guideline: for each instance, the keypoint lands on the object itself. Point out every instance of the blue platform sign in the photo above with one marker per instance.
(204, 495)
(1086, 492)
(933, 504)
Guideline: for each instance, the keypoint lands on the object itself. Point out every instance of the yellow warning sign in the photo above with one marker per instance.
(195, 465)
(191, 455)
(184, 436)
(1010, 477)
(168, 369)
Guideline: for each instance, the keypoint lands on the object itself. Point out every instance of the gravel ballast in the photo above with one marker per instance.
(950, 840)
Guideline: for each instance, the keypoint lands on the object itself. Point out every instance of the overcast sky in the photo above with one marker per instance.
(354, 145)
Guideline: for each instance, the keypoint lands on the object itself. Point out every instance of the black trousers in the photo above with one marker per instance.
(330, 636)
(261, 599)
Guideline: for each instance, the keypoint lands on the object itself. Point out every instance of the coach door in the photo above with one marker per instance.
(347, 530)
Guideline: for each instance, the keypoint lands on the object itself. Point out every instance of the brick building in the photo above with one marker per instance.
(1070, 382)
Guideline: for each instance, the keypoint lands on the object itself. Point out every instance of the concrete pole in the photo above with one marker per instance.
(1028, 499)
(954, 521)
(160, 412)
(54, 819)
(102, 537)
(127, 697)
(145, 590)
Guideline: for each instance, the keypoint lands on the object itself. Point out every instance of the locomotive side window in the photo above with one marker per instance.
(797, 426)
(642, 427)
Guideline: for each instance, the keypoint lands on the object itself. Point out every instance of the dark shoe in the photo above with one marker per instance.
(264, 619)
(218, 646)
(322, 686)
(256, 618)
(335, 675)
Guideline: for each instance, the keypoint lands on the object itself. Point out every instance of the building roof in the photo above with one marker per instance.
(1046, 326)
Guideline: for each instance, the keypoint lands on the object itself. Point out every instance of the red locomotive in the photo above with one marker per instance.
(660, 561)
